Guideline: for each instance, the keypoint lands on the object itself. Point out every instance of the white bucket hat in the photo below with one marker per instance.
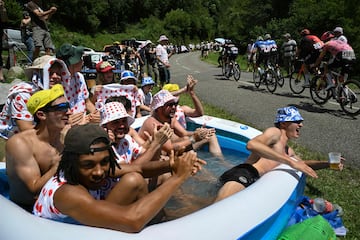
(163, 38)
(161, 98)
(113, 111)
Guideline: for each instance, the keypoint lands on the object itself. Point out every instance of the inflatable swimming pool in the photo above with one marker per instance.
(259, 212)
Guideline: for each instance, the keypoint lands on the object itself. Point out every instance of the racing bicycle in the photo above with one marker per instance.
(346, 93)
(232, 69)
(297, 78)
(271, 76)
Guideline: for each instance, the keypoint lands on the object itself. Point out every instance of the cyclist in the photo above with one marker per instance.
(267, 50)
(231, 53)
(342, 55)
(339, 34)
(309, 49)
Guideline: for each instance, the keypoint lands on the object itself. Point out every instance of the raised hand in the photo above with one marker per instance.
(182, 166)
(163, 134)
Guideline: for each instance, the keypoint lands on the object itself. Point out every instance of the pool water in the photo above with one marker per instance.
(200, 190)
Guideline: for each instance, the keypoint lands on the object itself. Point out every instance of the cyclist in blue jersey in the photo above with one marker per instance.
(266, 49)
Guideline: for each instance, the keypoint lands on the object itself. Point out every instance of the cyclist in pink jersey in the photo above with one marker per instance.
(342, 55)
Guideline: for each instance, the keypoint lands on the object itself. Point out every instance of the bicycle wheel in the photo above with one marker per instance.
(236, 72)
(297, 81)
(349, 97)
(256, 78)
(317, 90)
(280, 77)
(271, 81)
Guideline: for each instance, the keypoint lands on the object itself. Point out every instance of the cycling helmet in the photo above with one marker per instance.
(304, 32)
(326, 36)
(267, 36)
(338, 30)
(259, 38)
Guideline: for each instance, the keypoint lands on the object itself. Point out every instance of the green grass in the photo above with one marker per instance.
(338, 187)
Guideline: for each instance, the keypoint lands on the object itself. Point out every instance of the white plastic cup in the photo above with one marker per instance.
(334, 160)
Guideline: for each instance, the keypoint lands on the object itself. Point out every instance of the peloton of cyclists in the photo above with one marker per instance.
(342, 55)
(309, 50)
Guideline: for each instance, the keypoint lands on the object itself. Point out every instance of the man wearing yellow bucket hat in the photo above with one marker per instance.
(45, 72)
(32, 155)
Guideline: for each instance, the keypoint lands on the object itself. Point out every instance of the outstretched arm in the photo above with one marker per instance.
(263, 144)
(127, 218)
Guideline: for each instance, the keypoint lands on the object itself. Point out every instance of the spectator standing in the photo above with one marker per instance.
(142, 59)
(163, 60)
(3, 20)
(151, 61)
(41, 34)
(339, 34)
(249, 55)
(26, 35)
(289, 52)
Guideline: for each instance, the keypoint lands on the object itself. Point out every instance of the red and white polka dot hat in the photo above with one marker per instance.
(113, 111)
(161, 98)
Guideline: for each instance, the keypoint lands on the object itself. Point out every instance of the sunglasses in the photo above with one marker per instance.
(171, 104)
(62, 107)
(297, 122)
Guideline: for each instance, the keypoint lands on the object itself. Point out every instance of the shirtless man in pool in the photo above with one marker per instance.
(32, 156)
(269, 150)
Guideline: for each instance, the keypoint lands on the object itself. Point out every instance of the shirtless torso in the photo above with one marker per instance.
(277, 142)
(30, 162)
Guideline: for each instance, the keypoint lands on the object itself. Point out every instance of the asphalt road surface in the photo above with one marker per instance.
(326, 128)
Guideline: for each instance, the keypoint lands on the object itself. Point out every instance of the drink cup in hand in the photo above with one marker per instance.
(334, 160)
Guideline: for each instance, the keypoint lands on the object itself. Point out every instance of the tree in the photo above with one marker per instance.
(177, 23)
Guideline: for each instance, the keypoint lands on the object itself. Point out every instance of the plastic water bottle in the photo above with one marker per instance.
(322, 206)
(340, 210)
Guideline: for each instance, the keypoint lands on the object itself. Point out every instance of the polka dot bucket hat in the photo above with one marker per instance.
(113, 111)
(161, 98)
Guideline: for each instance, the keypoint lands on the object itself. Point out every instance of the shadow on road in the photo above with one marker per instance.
(221, 77)
(291, 95)
(253, 88)
(311, 107)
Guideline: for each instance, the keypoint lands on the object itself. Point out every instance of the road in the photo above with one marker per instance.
(326, 128)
